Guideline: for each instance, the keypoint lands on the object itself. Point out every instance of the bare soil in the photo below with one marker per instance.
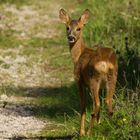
(25, 22)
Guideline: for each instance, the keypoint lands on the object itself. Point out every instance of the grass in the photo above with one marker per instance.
(17, 2)
(112, 24)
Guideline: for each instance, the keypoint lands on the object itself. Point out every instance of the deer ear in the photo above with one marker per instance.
(84, 18)
(64, 17)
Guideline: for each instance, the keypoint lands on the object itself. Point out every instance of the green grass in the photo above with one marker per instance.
(110, 24)
(17, 2)
(8, 41)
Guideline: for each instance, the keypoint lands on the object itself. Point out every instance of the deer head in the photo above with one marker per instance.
(74, 27)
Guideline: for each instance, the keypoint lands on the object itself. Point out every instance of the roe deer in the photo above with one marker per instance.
(91, 67)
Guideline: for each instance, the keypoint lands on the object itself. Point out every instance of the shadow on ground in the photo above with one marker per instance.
(45, 101)
(42, 138)
(48, 102)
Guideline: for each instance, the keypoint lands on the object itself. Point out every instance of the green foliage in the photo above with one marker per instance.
(129, 67)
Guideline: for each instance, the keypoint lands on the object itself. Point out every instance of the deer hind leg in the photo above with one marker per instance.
(82, 107)
(96, 103)
(110, 87)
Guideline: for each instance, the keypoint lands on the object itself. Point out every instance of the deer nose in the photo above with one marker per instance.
(71, 39)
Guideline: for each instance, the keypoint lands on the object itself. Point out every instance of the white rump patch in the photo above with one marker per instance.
(103, 66)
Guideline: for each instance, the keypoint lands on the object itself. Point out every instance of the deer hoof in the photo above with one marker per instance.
(110, 114)
(82, 132)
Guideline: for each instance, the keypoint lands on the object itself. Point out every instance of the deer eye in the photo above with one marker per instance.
(78, 29)
(67, 28)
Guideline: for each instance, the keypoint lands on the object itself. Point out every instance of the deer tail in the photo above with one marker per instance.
(103, 66)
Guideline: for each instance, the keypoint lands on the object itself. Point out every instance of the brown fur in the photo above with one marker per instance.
(91, 67)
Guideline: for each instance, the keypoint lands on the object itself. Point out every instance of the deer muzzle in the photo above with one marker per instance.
(71, 39)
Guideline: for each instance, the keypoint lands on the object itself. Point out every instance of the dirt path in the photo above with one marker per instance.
(26, 22)
(17, 120)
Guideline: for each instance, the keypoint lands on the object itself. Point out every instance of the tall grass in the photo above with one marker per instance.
(117, 24)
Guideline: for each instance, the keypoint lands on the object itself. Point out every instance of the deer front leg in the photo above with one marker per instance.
(82, 107)
(77, 71)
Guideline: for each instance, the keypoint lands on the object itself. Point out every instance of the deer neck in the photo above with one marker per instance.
(76, 49)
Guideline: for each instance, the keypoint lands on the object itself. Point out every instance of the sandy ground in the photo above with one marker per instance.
(17, 120)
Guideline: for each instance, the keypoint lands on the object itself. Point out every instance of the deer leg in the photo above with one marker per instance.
(110, 91)
(77, 72)
(98, 117)
(82, 106)
(110, 87)
(96, 104)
